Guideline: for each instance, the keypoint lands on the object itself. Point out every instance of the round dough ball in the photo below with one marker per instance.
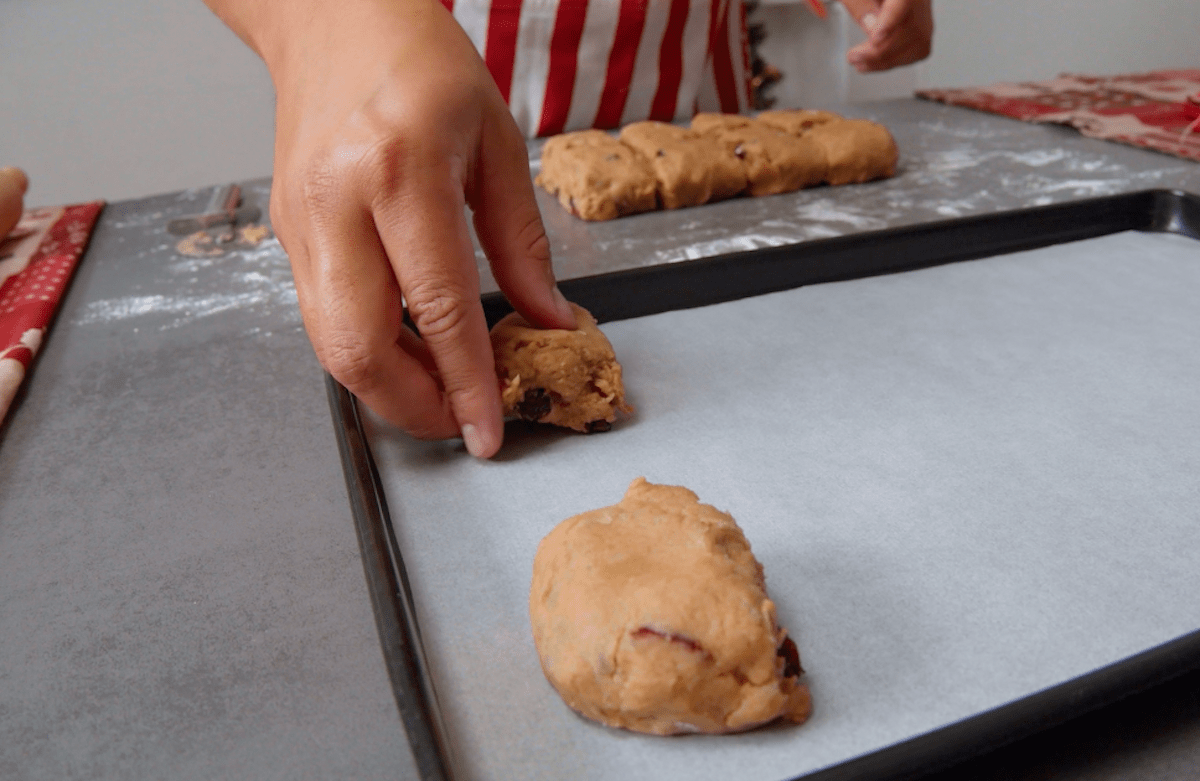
(652, 615)
(568, 378)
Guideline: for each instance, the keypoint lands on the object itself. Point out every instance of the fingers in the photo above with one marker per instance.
(13, 184)
(865, 12)
(509, 226)
(352, 310)
(899, 32)
(424, 231)
(888, 22)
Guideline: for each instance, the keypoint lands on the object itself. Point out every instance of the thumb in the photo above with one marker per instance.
(509, 226)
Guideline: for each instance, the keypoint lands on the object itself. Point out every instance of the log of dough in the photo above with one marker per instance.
(857, 150)
(690, 169)
(567, 378)
(657, 165)
(653, 615)
(595, 176)
(774, 161)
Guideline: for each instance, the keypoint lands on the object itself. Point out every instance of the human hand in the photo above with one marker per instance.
(13, 184)
(899, 32)
(387, 125)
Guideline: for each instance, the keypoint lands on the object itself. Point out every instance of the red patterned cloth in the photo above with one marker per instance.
(1158, 110)
(36, 263)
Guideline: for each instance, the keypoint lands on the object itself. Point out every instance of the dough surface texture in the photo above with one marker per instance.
(595, 176)
(652, 615)
(690, 169)
(797, 121)
(567, 378)
(857, 150)
(774, 161)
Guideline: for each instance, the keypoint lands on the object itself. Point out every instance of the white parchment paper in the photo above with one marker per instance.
(965, 484)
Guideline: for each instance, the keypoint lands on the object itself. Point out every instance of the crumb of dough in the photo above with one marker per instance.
(567, 378)
(857, 150)
(595, 176)
(653, 615)
(690, 169)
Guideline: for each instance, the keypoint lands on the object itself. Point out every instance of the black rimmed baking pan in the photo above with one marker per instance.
(1002, 403)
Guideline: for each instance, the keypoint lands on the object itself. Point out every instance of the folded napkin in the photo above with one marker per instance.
(1158, 110)
(37, 260)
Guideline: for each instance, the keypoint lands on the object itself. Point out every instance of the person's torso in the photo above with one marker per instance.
(570, 64)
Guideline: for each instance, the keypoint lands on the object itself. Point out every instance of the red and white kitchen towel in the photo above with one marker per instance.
(1158, 110)
(37, 260)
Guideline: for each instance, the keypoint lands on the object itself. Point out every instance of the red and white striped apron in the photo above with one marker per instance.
(572, 64)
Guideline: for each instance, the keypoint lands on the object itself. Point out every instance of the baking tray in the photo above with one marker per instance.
(672, 288)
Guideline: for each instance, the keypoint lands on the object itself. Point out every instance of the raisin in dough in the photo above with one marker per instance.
(595, 176)
(566, 378)
(652, 615)
(857, 150)
(774, 161)
(797, 121)
(690, 169)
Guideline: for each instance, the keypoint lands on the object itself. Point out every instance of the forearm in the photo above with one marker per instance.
(285, 32)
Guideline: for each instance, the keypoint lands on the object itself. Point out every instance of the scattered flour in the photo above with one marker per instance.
(258, 279)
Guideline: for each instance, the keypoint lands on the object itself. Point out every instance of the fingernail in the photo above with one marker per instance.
(868, 22)
(475, 441)
(564, 307)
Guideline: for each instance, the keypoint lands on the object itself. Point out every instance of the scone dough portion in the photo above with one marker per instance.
(797, 121)
(690, 169)
(707, 122)
(652, 615)
(857, 150)
(595, 176)
(774, 161)
(567, 378)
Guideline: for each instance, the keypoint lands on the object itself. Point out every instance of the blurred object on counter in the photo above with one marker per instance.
(1159, 110)
(13, 184)
(37, 260)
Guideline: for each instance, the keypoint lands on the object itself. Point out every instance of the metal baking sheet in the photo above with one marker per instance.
(973, 488)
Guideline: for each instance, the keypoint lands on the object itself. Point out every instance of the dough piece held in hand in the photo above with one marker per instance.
(653, 615)
(857, 150)
(566, 378)
(774, 161)
(797, 121)
(690, 169)
(595, 176)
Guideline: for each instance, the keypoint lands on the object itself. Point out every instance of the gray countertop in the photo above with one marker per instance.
(180, 587)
